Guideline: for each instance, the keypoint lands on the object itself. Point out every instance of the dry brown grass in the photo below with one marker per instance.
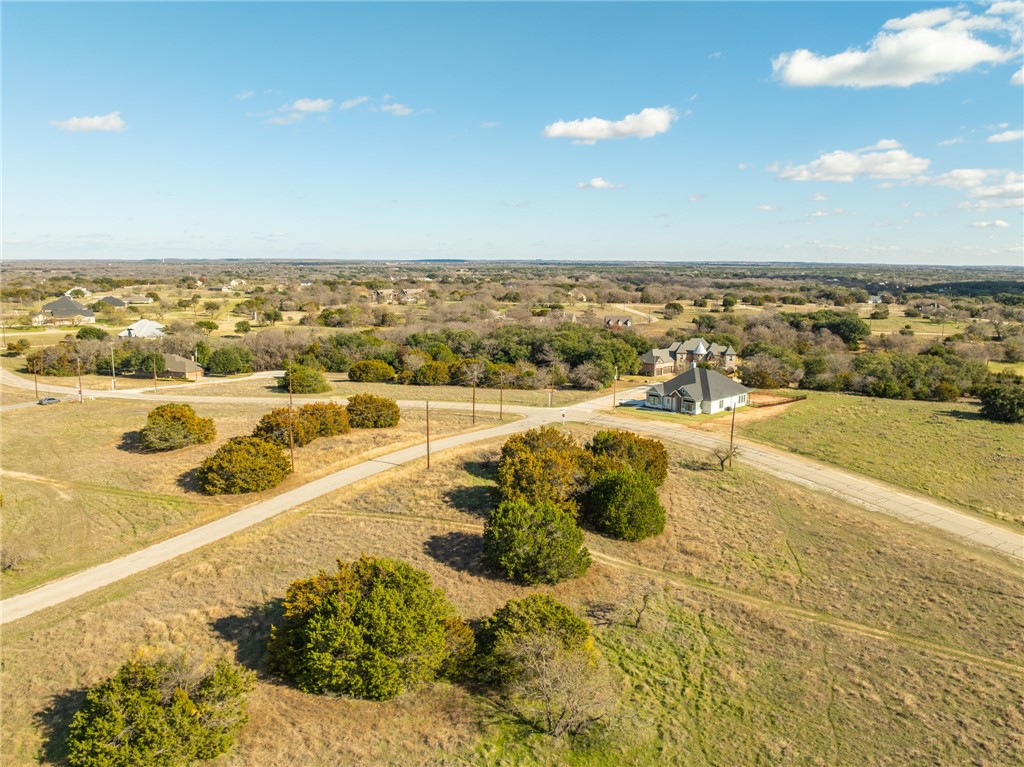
(791, 629)
(82, 494)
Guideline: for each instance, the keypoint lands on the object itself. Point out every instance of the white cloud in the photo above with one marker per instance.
(741, 166)
(1010, 135)
(645, 124)
(924, 47)
(490, 125)
(819, 197)
(696, 197)
(287, 119)
(309, 105)
(111, 123)
(353, 103)
(998, 223)
(1018, 77)
(598, 183)
(715, 55)
(985, 189)
(883, 160)
(398, 110)
(244, 96)
(951, 141)
(767, 208)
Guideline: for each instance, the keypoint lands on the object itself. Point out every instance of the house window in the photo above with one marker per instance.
(721, 402)
(743, 398)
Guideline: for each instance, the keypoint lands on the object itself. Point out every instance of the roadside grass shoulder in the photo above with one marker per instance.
(942, 449)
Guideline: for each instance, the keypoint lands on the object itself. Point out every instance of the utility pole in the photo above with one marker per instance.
(732, 431)
(154, 372)
(36, 377)
(501, 398)
(113, 373)
(428, 434)
(474, 400)
(81, 397)
(551, 394)
(615, 379)
(291, 419)
(196, 360)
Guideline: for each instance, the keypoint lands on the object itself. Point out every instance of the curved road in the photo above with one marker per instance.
(853, 488)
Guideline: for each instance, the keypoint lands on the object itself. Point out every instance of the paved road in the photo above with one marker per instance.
(853, 488)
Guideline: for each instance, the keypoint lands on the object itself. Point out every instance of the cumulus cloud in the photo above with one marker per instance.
(598, 183)
(490, 124)
(398, 110)
(998, 223)
(244, 96)
(353, 103)
(110, 123)
(819, 197)
(309, 105)
(882, 160)
(924, 47)
(696, 197)
(288, 119)
(952, 141)
(645, 124)
(741, 166)
(985, 189)
(1018, 77)
(1010, 135)
(767, 208)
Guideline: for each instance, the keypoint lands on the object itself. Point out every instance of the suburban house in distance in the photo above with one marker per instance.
(698, 390)
(684, 353)
(176, 366)
(113, 301)
(143, 329)
(64, 311)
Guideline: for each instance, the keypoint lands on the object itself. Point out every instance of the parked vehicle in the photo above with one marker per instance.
(49, 401)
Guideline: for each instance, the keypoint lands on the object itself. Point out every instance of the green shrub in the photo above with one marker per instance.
(230, 360)
(371, 371)
(541, 465)
(91, 332)
(300, 379)
(244, 465)
(535, 543)
(173, 426)
(373, 629)
(160, 713)
(329, 418)
(535, 616)
(432, 374)
(1003, 402)
(275, 426)
(632, 451)
(625, 505)
(368, 411)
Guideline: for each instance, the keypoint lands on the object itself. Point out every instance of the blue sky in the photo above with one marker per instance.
(834, 132)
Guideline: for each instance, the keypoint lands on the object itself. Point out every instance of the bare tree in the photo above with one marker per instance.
(639, 603)
(561, 692)
(725, 455)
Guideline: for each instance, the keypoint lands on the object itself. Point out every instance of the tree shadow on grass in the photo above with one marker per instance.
(189, 481)
(53, 722)
(477, 500)
(130, 442)
(963, 415)
(485, 468)
(460, 551)
(250, 632)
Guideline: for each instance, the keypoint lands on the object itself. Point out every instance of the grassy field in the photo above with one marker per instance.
(342, 387)
(945, 450)
(1007, 367)
(77, 492)
(788, 629)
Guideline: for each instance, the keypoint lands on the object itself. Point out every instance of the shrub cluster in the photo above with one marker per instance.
(368, 411)
(173, 426)
(301, 379)
(636, 453)
(542, 466)
(625, 505)
(1003, 401)
(373, 629)
(535, 543)
(371, 371)
(243, 465)
(160, 713)
(306, 423)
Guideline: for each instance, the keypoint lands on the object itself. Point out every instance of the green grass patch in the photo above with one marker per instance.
(945, 450)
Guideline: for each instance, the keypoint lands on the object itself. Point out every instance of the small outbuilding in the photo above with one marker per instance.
(176, 366)
(698, 390)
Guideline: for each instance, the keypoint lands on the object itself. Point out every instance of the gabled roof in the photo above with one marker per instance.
(693, 344)
(113, 301)
(143, 329)
(656, 357)
(175, 363)
(700, 384)
(67, 307)
(719, 349)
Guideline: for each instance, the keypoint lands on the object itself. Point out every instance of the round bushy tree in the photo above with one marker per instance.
(229, 360)
(371, 371)
(535, 616)
(303, 380)
(244, 465)
(637, 453)
(91, 332)
(275, 426)
(160, 713)
(368, 411)
(173, 426)
(328, 418)
(541, 465)
(1003, 401)
(432, 374)
(373, 629)
(625, 505)
(535, 543)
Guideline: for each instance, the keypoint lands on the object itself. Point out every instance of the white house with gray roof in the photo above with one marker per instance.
(698, 390)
